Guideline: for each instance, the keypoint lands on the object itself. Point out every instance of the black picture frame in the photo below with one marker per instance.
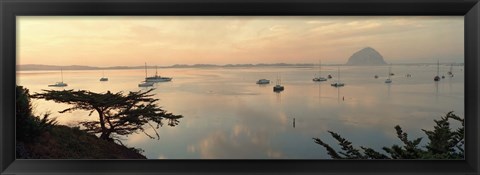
(9, 9)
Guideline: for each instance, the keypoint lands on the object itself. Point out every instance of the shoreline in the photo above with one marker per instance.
(36, 67)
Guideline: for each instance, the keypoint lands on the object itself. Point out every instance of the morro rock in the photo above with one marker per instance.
(366, 57)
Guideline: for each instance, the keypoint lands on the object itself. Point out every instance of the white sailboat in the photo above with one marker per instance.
(103, 77)
(338, 83)
(145, 83)
(319, 78)
(157, 78)
(388, 80)
(437, 78)
(59, 84)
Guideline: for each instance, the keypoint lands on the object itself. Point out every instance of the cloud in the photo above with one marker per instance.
(224, 40)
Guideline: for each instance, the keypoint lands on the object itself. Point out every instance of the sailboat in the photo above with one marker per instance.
(437, 78)
(103, 77)
(319, 78)
(450, 73)
(388, 80)
(157, 78)
(278, 87)
(59, 84)
(338, 83)
(145, 83)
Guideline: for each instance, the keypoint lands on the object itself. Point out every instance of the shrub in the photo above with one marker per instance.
(28, 126)
(445, 143)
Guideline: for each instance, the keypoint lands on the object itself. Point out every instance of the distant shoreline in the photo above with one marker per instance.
(40, 67)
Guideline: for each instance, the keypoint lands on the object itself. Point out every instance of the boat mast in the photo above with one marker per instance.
(156, 71)
(438, 67)
(389, 71)
(61, 72)
(145, 69)
(338, 73)
(278, 79)
(319, 68)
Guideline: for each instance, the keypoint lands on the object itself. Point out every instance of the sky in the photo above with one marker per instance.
(168, 40)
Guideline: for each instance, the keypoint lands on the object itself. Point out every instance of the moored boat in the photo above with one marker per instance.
(278, 87)
(338, 83)
(319, 78)
(437, 77)
(388, 80)
(157, 78)
(263, 81)
(59, 84)
(145, 83)
(103, 77)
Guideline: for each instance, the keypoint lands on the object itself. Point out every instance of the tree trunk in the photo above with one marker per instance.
(105, 135)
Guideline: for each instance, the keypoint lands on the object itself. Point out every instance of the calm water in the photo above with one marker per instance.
(228, 116)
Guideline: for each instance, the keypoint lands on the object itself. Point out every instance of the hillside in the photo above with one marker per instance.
(63, 142)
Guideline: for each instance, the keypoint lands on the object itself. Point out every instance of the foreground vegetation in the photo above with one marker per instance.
(62, 142)
(444, 143)
(118, 114)
(41, 137)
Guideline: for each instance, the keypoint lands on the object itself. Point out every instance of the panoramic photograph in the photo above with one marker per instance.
(240, 87)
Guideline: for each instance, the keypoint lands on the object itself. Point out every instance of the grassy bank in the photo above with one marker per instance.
(63, 142)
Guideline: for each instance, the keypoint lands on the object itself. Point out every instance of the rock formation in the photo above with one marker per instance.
(366, 57)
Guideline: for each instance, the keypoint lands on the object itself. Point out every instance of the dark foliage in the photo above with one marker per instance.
(445, 143)
(63, 142)
(118, 113)
(28, 126)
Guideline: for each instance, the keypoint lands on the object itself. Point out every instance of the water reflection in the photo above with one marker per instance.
(319, 92)
(293, 122)
(227, 115)
(338, 95)
(278, 96)
(389, 86)
(450, 85)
